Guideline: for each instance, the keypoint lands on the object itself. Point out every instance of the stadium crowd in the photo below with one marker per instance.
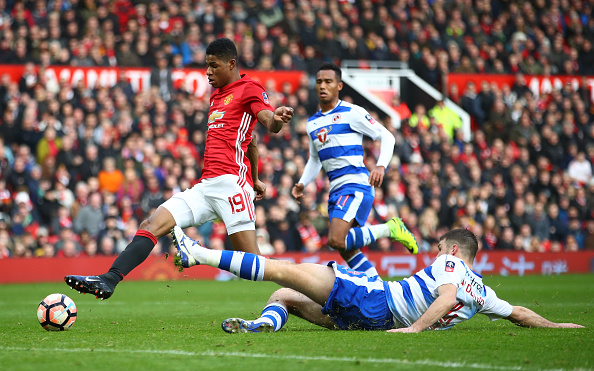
(80, 168)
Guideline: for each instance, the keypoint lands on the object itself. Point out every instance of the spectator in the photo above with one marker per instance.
(132, 187)
(539, 222)
(161, 78)
(110, 178)
(400, 107)
(446, 119)
(580, 169)
(419, 118)
(91, 165)
(90, 218)
(471, 103)
(499, 122)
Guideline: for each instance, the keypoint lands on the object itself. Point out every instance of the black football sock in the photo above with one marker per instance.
(135, 253)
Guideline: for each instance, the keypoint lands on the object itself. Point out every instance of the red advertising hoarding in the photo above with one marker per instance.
(22, 270)
(192, 80)
(538, 84)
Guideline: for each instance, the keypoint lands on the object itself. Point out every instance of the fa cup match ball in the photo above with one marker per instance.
(57, 312)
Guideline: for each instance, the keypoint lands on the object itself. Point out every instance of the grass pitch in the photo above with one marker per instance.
(175, 325)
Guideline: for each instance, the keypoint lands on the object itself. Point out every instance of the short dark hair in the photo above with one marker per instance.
(465, 239)
(331, 67)
(222, 48)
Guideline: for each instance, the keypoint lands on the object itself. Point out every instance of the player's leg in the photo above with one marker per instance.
(313, 280)
(245, 241)
(301, 306)
(358, 206)
(276, 312)
(156, 226)
(346, 208)
(183, 209)
(337, 233)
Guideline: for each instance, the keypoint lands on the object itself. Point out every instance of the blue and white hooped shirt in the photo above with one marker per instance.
(409, 299)
(336, 141)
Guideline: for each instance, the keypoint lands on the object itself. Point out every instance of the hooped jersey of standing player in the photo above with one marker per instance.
(409, 299)
(231, 120)
(336, 141)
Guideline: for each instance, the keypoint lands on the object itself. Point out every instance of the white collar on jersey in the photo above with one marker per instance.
(330, 110)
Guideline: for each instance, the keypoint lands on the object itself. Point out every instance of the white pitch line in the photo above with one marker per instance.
(425, 362)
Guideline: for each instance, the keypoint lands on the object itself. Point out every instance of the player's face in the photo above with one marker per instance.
(442, 248)
(218, 71)
(327, 86)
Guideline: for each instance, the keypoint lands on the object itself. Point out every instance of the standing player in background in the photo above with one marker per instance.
(336, 144)
(229, 178)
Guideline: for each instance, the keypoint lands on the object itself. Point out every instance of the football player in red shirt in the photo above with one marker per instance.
(229, 179)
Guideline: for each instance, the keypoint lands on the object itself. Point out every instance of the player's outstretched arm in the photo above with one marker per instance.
(525, 317)
(310, 172)
(439, 308)
(253, 156)
(274, 121)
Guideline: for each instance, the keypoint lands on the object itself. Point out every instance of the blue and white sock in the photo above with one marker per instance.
(363, 236)
(275, 314)
(360, 263)
(244, 265)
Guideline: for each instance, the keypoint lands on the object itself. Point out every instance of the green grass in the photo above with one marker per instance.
(176, 326)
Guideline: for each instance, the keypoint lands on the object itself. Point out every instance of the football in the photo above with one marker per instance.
(57, 312)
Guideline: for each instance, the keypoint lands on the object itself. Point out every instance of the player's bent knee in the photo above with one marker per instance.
(337, 243)
(159, 223)
(282, 295)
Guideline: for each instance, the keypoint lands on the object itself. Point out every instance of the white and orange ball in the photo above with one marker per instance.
(57, 312)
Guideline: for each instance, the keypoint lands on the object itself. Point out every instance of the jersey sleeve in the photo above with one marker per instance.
(362, 122)
(494, 307)
(447, 269)
(256, 98)
(312, 167)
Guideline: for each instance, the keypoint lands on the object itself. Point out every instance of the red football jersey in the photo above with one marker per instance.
(231, 119)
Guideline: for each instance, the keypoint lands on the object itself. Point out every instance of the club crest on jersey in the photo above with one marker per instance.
(265, 97)
(336, 119)
(322, 134)
(370, 119)
(228, 99)
(215, 115)
(449, 267)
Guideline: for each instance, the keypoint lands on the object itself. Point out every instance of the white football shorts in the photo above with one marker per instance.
(215, 198)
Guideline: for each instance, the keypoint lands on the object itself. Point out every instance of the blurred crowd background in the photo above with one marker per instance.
(80, 168)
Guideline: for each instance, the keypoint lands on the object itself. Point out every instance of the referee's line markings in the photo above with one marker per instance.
(425, 362)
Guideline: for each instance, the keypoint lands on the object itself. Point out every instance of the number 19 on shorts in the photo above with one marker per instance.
(237, 203)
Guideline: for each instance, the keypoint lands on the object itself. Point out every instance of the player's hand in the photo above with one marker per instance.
(259, 189)
(283, 114)
(297, 191)
(406, 330)
(376, 177)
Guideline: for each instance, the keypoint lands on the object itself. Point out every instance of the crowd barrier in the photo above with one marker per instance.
(23, 270)
(538, 84)
(193, 81)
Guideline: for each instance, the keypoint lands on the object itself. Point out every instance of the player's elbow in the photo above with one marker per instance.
(450, 300)
(274, 127)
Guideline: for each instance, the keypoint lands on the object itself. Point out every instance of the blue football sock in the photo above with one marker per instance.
(363, 236)
(276, 314)
(360, 263)
(244, 265)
